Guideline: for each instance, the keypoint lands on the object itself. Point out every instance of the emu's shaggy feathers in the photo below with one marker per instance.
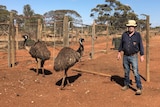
(66, 58)
(39, 50)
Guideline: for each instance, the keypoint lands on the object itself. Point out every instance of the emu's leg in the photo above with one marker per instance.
(43, 72)
(63, 80)
(62, 85)
(42, 65)
(37, 67)
(67, 77)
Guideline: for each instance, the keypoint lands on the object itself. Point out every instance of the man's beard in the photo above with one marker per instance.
(130, 32)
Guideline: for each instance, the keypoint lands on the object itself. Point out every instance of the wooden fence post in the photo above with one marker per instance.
(107, 37)
(65, 31)
(11, 43)
(93, 37)
(147, 49)
(16, 36)
(39, 31)
(13, 52)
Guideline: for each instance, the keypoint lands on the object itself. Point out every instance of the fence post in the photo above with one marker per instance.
(93, 37)
(54, 40)
(11, 43)
(147, 49)
(107, 38)
(39, 30)
(65, 31)
(16, 36)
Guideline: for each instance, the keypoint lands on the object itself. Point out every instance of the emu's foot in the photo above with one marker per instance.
(62, 88)
(37, 73)
(68, 84)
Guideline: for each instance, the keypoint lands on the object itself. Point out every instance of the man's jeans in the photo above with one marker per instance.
(128, 62)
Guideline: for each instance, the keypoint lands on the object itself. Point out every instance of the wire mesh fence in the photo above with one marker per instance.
(55, 33)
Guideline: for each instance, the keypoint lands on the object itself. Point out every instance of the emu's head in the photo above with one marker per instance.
(81, 40)
(81, 48)
(25, 38)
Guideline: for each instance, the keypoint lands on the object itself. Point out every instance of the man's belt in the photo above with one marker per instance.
(130, 54)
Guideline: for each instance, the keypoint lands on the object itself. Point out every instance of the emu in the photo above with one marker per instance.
(38, 51)
(66, 58)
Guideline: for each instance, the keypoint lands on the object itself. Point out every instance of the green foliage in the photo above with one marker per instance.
(4, 14)
(114, 13)
(27, 11)
(59, 15)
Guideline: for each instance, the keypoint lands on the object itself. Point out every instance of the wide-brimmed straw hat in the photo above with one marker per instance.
(131, 23)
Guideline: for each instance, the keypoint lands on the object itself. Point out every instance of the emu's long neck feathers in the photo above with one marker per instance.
(26, 47)
(80, 49)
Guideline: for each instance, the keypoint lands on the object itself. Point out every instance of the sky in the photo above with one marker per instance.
(83, 7)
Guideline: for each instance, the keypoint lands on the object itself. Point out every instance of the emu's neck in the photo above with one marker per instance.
(80, 49)
(26, 47)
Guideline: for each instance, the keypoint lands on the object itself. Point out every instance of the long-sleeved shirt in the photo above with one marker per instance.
(131, 44)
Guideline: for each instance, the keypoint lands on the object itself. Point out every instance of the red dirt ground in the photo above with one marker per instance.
(21, 87)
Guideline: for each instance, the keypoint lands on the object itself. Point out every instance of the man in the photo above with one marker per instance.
(131, 44)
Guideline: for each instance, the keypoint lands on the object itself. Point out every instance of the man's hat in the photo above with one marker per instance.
(131, 23)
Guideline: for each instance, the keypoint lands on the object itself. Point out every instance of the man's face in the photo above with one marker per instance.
(131, 29)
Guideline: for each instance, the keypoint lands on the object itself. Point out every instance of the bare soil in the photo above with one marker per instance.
(21, 87)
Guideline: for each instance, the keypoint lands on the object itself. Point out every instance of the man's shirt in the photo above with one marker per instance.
(131, 44)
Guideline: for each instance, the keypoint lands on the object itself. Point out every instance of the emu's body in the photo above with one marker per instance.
(66, 58)
(38, 51)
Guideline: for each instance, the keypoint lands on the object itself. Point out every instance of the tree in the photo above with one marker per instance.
(113, 12)
(27, 11)
(4, 14)
(3, 7)
(58, 16)
(29, 21)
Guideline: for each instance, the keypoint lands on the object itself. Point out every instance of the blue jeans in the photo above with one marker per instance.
(128, 62)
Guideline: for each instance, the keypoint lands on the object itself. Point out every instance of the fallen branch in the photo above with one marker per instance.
(91, 72)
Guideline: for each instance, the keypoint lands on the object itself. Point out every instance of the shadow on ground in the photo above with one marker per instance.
(71, 79)
(46, 72)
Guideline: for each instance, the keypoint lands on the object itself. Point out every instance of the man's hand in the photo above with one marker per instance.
(119, 56)
(142, 58)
